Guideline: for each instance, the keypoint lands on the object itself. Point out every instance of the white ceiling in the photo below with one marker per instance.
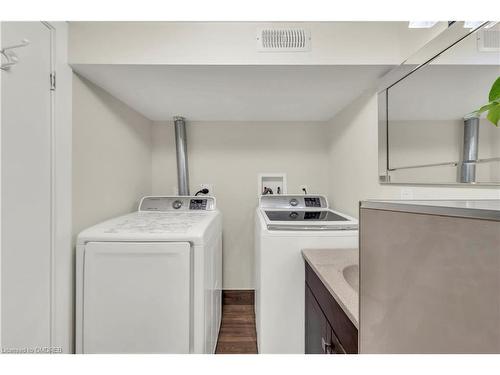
(234, 93)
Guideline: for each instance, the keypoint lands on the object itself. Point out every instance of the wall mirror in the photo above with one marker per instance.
(427, 134)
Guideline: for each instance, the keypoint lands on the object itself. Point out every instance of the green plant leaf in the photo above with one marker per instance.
(494, 115)
(485, 108)
(495, 91)
(493, 107)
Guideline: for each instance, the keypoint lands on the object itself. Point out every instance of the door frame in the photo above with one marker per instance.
(52, 188)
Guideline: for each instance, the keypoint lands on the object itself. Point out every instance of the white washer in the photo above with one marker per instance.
(150, 281)
(284, 225)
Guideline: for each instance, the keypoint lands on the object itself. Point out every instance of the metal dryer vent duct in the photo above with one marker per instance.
(470, 150)
(181, 151)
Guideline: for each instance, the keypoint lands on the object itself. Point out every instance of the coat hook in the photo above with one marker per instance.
(11, 57)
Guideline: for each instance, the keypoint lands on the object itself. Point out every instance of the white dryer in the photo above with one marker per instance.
(150, 281)
(284, 225)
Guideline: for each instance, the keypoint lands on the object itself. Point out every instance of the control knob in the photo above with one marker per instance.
(177, 204)
(294, 202)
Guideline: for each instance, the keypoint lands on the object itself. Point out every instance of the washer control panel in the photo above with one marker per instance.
(276, 201)
(312, 202)
(164, 204)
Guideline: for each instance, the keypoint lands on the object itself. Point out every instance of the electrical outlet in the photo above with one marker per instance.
(406, 193)
(210, 188)
(302, 187)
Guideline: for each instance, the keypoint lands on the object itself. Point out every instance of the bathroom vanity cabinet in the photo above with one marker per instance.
(328, 329)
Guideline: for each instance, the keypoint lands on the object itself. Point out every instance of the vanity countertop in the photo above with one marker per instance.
(329, 265)
(487, 209)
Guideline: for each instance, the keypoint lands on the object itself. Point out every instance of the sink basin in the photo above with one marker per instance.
(351, 275)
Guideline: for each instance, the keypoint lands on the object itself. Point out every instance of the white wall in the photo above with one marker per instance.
(353, 163)
(111, 156)
(230, 156)
(212, 43)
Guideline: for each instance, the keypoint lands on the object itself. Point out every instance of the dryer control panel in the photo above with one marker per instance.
(173, 203)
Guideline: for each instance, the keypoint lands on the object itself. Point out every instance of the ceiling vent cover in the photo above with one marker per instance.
(488, 40)
(283, 40)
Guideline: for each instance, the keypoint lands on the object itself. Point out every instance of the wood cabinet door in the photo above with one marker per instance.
(333, 343)
(317, 328)
(343, 329)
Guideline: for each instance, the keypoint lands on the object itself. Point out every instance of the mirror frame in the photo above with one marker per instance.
(430, 51)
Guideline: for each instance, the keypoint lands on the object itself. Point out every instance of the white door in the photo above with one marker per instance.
(26, 215)
(136, 297)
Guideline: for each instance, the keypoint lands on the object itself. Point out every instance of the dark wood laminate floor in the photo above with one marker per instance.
(237, 333)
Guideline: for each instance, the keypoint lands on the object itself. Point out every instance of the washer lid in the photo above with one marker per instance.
(307, 220)
(303, 215)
